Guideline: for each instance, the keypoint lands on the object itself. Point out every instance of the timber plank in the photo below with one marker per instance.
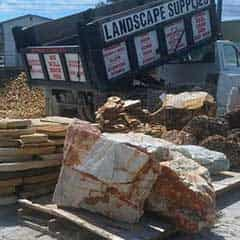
(29, 172)
(230, 182)
(11, 182)
(43, 185)
(41, 178)
(15, 143)
(53, 131)
(58, 119)
(38, 192)
(149, 228)
(15, 123)
(48, 143)
(26, 151)
(15, 133)
(22, 166)
(8, 200)
(6, 191)
(34, 138)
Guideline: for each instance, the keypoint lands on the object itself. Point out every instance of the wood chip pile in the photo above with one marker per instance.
(18, 100)
(31, 152)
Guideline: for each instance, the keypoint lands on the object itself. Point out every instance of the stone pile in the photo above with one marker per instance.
(18, 100)
(30, 158)
(117, 115)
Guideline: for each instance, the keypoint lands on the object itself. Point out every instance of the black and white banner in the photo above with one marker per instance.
(146, 18)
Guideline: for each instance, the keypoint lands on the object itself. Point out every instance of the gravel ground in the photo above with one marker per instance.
(227, 227)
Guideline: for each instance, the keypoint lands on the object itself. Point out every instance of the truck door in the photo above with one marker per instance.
(229, 76)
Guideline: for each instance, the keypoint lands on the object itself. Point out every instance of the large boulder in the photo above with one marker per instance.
(214, 161)
(178, 109)
(111, 174)
(184, 193)
(221, 144)
(203, 126)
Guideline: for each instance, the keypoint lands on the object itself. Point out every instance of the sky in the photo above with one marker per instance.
(47, 8)
(60, 8)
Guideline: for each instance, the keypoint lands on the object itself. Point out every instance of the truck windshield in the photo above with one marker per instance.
(230, 56)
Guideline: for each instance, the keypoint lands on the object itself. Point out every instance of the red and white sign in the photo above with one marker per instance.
(116, 60)
(201, 26)
(147, 48)
(35, 67)
(175, 36)
(75, 68)
(54, 67)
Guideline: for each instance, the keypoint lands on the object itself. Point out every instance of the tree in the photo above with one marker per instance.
(100, 4)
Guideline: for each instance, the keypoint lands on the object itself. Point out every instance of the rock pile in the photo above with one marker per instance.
(17, 100)
(182, 115)
(203, 126)
(117, 115)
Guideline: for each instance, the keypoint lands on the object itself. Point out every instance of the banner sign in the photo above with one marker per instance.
(175, 36)
(147, 48)
(35, 66)
(75, 68)
(201, 26)
(116, 60)
(54, 67)
(146, 18)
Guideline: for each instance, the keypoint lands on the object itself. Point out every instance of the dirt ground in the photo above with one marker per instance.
(227, 227)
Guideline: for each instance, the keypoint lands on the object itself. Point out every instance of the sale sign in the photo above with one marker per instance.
(75, 67)
(116, 60)
(35, 66)
(147, 48)
(201, 26)
(175, 37)
(54, 67)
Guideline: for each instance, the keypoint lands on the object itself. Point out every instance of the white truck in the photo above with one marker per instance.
(215, 68)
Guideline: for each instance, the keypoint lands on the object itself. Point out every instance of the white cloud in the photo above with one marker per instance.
(45, 5)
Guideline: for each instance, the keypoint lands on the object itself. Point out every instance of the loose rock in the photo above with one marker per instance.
(222, 144)
(203, 126)
(214, 161)
(233, 119)
(184, 194)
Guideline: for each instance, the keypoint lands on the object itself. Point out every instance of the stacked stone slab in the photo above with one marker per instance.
(29, 160)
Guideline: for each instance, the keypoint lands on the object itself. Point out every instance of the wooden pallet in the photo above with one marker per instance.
(225, 182)
(82, 224)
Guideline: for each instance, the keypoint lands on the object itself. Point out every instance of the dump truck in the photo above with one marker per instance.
(82, 59)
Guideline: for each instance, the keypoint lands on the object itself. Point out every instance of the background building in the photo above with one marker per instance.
(8, 53)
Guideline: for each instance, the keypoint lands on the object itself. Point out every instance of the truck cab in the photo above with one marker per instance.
(214, 68)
